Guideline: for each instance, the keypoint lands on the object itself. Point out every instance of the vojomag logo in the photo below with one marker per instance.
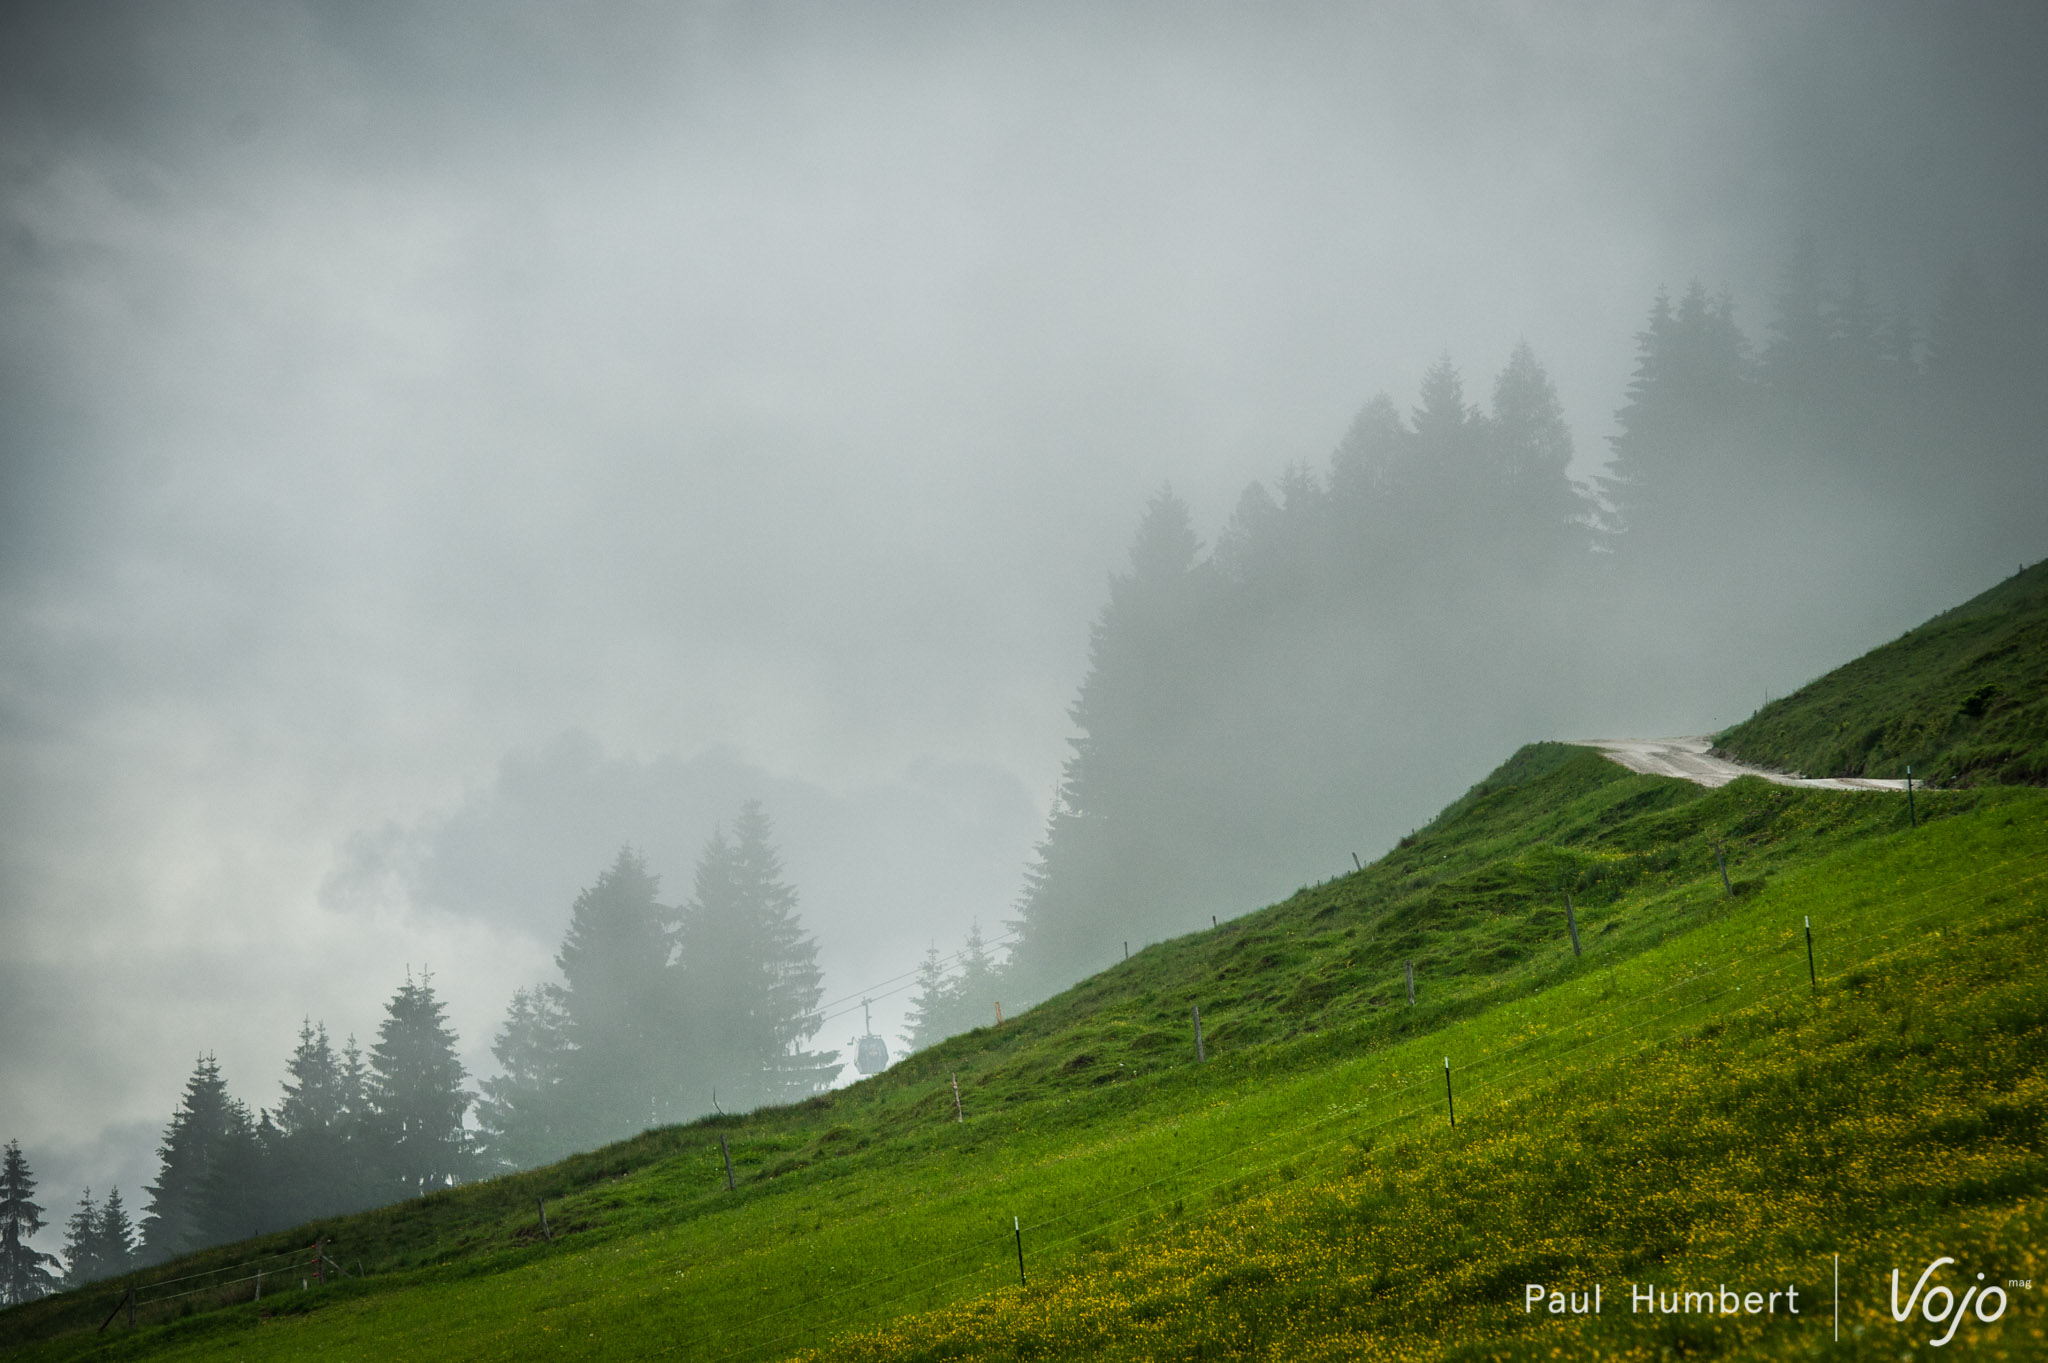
(1951, 1312)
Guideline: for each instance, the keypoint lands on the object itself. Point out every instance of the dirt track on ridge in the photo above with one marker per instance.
(1689, 760)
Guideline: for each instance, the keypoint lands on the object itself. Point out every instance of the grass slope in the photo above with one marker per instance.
(870, 1220)
(1963, 699)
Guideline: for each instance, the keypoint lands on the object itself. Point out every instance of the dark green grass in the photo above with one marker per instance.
(881, 1171)
(1732, 1125)
(1963, 699)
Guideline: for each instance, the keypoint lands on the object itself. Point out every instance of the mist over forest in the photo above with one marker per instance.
(507, 514)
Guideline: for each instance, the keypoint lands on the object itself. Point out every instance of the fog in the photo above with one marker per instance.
(438, 447)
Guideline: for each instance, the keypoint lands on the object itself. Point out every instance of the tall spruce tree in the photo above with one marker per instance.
(204, 1148)
(1127, 821)
(1683, 458)
(978, 986)
(81, 1243)
(618, 1001)
(925, 1022)
(949, 1001)
(749, 973)
(238, 1195)
(24, 1270)
(98, 1241)
(359, 1183)
(525, 1115)
(416, 1098)
(310, 1156)
(114, 1249)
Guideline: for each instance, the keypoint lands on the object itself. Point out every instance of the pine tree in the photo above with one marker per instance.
(82, 1244)
(925, 1023)
(1532, 445)
(1684, 457)
(98, 1241)
(24, 1270)
(618, 997)
(1124, 838)
(524, 1114)
(308, 1143)
(204, 1148)
(358, 1183)
(975, 991)
(1447, 429)
(115, 1248)
(749, 972)
(416, 1098)
(312, 1101)
(239, 1194)
(1368, 459)
(949, 1003)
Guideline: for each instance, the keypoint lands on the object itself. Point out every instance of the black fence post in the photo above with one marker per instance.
(1571, 920)
(1018, 1227)
(1812, 979)
(1912, 819)
(1450, 1105)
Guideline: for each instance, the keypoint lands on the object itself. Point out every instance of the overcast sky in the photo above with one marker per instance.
(442, 443)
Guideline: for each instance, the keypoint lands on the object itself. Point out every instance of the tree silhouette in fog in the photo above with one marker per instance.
(24, 1270)
(416, 1098)
(749, 975)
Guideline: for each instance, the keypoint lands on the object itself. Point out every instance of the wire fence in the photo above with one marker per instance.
(1478, 1076)
(995, 1250)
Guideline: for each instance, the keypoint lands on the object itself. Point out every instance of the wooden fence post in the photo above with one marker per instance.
(726, 1150)
(1201, 1054)
(959, 1113)
(127, 1300)
(1912, 819)
(546, 1234)
(1721, 860)
(1571, 920)
(1411, 983)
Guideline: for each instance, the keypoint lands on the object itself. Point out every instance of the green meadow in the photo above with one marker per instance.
(1680, 1103)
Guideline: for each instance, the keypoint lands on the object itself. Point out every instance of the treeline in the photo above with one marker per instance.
(954, 994)
(350, 1131)
(659, 1014)
(1442, 589)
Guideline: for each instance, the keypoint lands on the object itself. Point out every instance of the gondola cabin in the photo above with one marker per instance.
(870, 1052)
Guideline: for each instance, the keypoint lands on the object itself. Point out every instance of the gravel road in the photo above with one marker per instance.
(1689, 760)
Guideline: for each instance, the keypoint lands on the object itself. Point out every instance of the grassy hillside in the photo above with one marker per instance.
(1963, 698)
(1677, 1101)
